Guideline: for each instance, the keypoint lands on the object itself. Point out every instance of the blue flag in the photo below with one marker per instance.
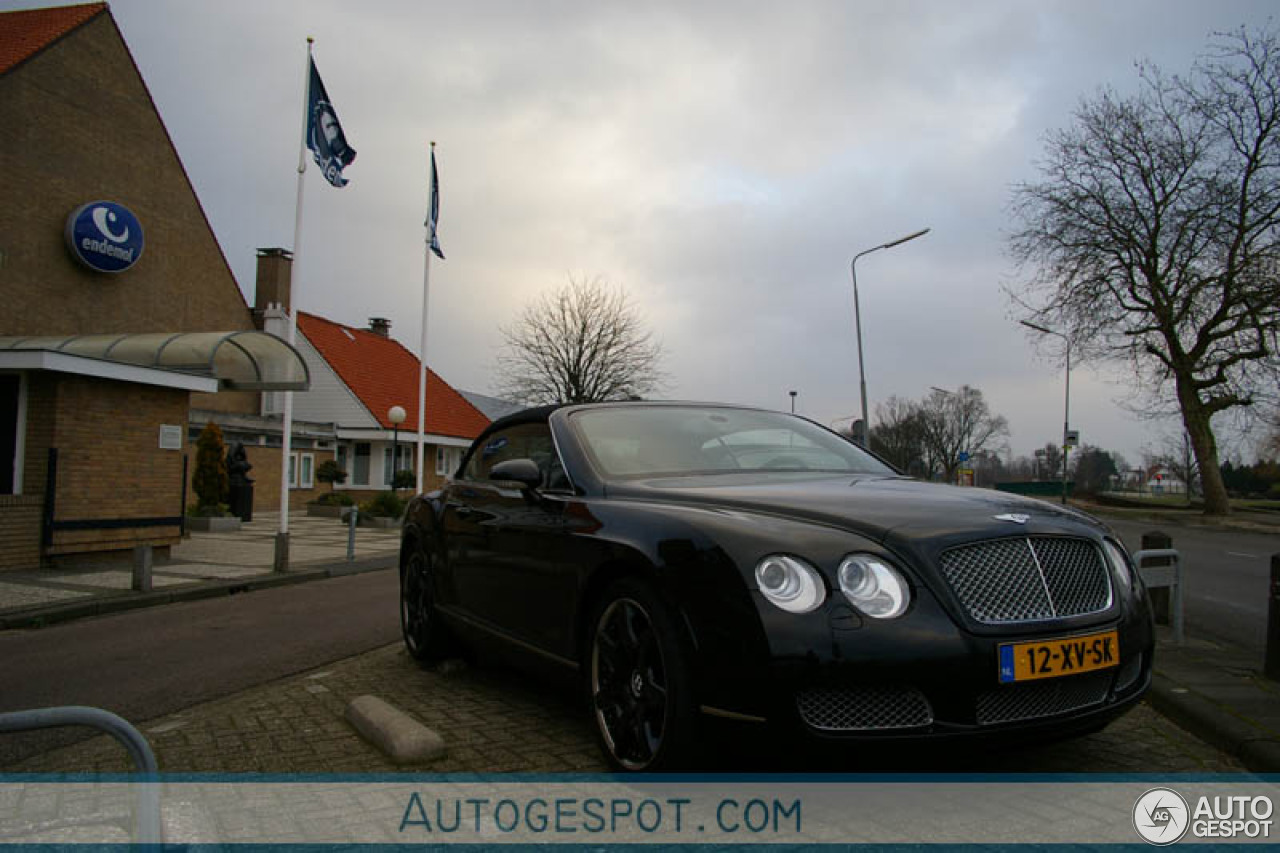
(433, 214)
(325, 138)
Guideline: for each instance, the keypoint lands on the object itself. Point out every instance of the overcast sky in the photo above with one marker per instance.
(722, 162)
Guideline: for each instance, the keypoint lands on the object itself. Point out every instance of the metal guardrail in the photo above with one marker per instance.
(147, 816)
(1165, 575)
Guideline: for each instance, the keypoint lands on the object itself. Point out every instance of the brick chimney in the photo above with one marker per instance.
(275, 276)
(380, 326)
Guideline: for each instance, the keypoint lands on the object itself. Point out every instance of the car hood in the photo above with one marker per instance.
(876, 506)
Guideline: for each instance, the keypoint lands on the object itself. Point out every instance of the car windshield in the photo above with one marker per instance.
(634, 441)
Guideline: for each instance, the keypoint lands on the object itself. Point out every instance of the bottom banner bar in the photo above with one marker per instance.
(601, 811)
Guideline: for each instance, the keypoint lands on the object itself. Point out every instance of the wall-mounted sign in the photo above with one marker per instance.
(170, 437)
(104, 236)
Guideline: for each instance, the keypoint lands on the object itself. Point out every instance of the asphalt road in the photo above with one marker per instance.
(147, 663)
(1227, 575)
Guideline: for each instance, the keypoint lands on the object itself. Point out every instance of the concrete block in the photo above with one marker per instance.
(400, 737)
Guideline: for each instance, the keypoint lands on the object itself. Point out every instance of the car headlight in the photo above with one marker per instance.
(1119, 563)
(873, 586)
(790, 584)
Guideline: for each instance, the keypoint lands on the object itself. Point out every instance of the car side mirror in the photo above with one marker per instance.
(523, 471)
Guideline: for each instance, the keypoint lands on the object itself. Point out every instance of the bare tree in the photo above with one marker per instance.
(1174, 455)
(959, 422)
(583, 343)
(899, 434)
(1154, 235)
(1271, 443)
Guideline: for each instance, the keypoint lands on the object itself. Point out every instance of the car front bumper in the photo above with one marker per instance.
(834, 675)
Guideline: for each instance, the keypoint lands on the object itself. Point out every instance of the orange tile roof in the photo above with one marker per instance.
(382, 374)
(24, 34)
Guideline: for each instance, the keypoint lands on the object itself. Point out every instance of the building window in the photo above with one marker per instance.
(11, 430)
(307, 463)
(360, 471)
(404, 461)
(343, 454)
(272, 402)
(447, 460)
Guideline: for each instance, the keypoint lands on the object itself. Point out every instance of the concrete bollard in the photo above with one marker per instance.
(280, 560)
(142, 555)
(1156, 540)
(1271, 660)
(352, 518)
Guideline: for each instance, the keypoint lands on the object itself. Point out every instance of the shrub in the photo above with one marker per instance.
(210, 481)
(383, 504)
(404, 479)
(329, 471)
(214, 511)
(334, 499)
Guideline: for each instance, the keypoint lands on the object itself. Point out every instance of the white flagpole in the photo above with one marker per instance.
(286, 435)
(422, 344)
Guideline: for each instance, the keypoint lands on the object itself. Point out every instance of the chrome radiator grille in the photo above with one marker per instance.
(864, 708)
(1028, 580)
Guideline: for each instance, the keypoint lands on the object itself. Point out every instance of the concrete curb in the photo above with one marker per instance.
(50, 614)
(1213, 723)
(400, 737)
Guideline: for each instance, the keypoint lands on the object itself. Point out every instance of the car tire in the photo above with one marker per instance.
(425, 637)
(638, 684)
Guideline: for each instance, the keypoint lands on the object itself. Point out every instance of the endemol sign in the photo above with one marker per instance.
(104, 236)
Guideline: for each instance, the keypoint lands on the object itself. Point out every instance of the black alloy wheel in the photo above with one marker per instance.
(638, 684)
(424, 636)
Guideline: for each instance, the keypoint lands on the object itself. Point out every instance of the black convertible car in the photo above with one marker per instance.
(701, 561)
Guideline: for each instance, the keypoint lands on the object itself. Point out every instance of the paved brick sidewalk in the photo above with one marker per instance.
(204, 563)
(497, 720)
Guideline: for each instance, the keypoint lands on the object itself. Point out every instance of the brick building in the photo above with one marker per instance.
(123, 330)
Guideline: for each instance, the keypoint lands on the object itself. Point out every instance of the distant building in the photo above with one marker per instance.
(492, 407)
(357, 376)
(1161, 480)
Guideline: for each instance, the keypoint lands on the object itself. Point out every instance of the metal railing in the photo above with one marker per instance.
(147, 814)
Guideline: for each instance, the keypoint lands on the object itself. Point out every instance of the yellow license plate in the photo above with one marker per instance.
(1059, 656)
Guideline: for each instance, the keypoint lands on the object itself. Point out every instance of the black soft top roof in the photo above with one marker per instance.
(534, 415)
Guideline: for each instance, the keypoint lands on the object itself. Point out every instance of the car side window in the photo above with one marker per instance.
(526, 441)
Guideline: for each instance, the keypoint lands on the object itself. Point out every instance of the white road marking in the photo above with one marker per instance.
(1241, 554)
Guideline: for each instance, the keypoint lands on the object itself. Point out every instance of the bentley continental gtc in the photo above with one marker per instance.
(692, 562)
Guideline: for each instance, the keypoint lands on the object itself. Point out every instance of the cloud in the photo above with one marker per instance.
(722, 161)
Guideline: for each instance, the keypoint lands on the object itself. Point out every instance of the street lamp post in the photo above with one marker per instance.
(1066, 407)
(396, 415)
(793, 401)
(857, 318)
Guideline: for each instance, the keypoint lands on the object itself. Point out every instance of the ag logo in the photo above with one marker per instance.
(104, 236)
(1161, 816)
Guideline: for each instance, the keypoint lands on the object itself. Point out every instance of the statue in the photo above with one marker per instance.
(238, 466)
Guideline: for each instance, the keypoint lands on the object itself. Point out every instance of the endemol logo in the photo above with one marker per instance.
(104, 236)
(1161, 816)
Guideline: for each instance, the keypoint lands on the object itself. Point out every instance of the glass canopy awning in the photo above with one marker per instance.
(239, 361)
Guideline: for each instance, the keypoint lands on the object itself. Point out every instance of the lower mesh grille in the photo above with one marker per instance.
(869, 708)
(1042, 699)
(1129, 672)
